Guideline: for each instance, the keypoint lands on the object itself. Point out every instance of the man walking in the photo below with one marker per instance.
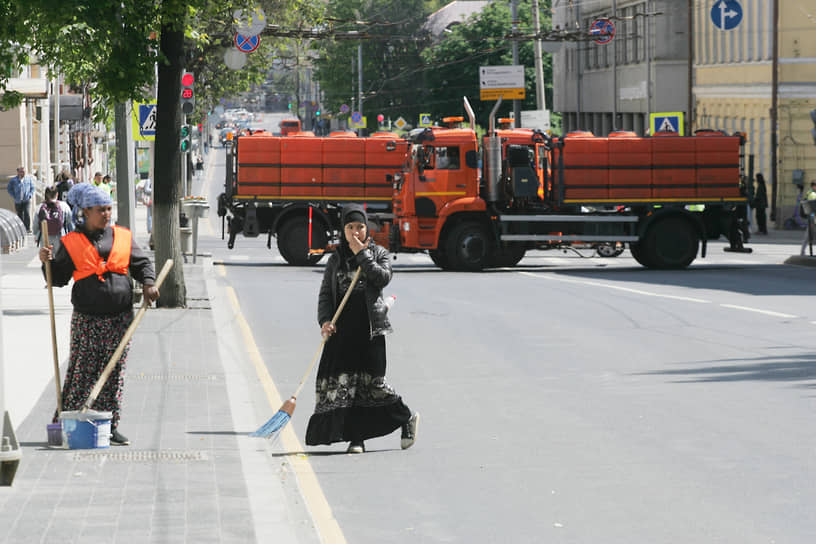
(21, 188)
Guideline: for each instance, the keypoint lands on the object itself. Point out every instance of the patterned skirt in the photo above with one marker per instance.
(94, 339)
(353, 399)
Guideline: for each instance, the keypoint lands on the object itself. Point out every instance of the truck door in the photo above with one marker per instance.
(441, 178)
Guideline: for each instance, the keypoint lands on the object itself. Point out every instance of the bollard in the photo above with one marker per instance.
(12, 232)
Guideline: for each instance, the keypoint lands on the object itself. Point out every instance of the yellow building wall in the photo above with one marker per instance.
(733, 80)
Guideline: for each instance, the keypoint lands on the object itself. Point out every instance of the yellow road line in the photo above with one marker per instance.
(327, 525)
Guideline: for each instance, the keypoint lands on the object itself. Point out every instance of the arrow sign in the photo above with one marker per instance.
(247, 44)
(726, 14)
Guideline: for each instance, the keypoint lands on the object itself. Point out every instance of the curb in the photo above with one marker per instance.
(801, 260)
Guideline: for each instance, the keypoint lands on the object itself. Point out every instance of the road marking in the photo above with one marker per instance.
(616, 287)
(327, 525)
(758, 311)
(35, 261)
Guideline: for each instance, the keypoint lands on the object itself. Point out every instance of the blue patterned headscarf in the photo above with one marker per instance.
(87, 195)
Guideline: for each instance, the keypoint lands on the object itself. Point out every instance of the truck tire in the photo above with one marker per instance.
(671, 243)
(439, 258)
(638, 253)
(509, 256)
(293, 241)
(469, 247)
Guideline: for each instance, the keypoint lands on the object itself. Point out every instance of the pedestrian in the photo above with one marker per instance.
(65, 180)
(354, 402)
(99, 258)
(759, 204)
(21, 188)
(52, 212)
(107, 185)
(809, 209)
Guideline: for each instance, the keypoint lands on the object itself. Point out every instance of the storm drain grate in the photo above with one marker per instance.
(142, 456)
(174, 377)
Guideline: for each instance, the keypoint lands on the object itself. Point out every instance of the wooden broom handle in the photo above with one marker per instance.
(325, 338)
(45, 242)
(103, 378)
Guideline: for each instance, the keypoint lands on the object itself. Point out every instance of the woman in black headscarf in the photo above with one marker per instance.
(354, 402)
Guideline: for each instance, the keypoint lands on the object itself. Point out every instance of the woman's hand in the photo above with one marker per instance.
(150, 293)
(356, 245)
(46, 254)
(327, 329)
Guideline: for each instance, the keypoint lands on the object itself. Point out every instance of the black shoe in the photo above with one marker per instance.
(118, 439)
(409, 432)
(356, 447)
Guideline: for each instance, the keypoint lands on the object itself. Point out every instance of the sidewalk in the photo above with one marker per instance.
(191, 473)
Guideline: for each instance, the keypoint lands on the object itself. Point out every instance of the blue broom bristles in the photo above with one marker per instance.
(275, 424)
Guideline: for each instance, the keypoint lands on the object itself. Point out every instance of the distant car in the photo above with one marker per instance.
(223, 138)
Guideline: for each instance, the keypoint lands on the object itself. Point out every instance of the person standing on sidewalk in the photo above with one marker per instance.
(759, 205)
(810, 217)
(354, 402)
(21, 188)
(98, 257)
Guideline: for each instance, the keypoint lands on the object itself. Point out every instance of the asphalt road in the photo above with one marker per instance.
(570, 399)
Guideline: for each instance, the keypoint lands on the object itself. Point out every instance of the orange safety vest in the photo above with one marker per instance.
(87, 260)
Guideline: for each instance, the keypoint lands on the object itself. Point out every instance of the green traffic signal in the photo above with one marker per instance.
(186, 138)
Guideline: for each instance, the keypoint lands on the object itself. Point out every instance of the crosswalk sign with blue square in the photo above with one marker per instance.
(666, 122)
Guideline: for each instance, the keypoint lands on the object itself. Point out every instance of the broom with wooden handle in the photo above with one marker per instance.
(273, 426)
(100, 383)
(54, 430)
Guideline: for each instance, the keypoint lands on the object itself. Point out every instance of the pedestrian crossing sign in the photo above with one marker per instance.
(666, 122)
(144, 121)
(425, 120)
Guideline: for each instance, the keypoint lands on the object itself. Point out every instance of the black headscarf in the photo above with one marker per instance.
(350, 213)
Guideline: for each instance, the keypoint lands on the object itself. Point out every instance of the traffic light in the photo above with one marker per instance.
(200, 128)
(187, 94)
(813, 130)
(186, 138)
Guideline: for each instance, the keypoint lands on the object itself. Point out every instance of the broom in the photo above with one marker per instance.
(272, 427)
(54, 430)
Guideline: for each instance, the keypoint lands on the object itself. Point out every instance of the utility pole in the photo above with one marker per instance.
(774, 112)
(541, 103)
(614, 72)
(360, 78)
(516, 103)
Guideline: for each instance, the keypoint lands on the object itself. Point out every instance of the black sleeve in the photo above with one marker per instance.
(62, 267)
(325, 300)
(376, 264)
(140, 266)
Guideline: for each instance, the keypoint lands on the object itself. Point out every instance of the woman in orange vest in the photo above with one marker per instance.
(98, 257)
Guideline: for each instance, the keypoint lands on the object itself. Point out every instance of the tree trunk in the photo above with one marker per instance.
(167, 170)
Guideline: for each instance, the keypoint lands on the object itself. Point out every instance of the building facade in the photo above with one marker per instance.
(728, 84)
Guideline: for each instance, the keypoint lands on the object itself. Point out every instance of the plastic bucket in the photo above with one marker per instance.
(86, 430)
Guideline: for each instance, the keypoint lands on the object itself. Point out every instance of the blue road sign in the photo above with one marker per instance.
(247, 44)
(356, 117)
(147, 119)
(666, 122)
(726, 14)
(604, 29)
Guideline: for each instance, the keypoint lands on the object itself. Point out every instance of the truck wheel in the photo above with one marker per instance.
(638, 253)
(509, 256)
(671, 243)
(468, 247)
(293, 241)
(439, 258)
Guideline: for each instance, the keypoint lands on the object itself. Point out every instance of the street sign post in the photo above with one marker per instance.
(726, 14)
(506, 82)
(247, 44)
(400, 123)
(425, 120)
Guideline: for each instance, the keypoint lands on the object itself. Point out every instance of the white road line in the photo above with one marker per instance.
(616, 287)
(758, 311)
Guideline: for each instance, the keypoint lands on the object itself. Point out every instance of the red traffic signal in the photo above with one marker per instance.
(187, 94)
(200, 127)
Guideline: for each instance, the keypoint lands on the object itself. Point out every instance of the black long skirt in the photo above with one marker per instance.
(353, 399)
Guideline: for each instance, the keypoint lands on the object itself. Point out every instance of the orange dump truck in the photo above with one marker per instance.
(471, 205)
(293, 187)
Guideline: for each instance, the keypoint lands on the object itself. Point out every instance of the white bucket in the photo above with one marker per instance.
(86, 430)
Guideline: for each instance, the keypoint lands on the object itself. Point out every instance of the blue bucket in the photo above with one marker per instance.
(87, 430)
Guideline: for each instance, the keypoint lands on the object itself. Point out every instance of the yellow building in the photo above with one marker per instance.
(733, 86)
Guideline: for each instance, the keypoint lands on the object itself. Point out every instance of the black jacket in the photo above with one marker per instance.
(375, 262)
(115, 294)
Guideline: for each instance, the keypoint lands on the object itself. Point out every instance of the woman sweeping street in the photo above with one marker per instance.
(98, 258)
(354, 402)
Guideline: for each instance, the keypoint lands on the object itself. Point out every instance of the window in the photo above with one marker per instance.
(447, 158)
